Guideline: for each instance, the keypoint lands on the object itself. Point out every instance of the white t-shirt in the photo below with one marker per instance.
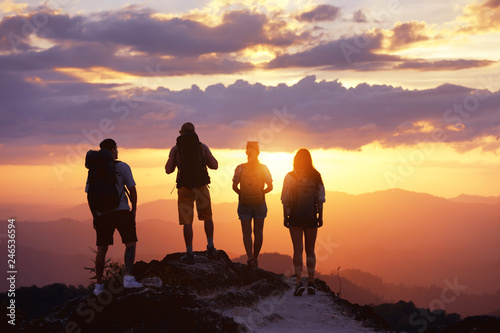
(124, 178)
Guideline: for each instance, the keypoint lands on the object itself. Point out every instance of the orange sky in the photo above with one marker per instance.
(439, 171)
(399, 94)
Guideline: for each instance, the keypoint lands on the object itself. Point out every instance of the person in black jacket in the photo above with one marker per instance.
(191, 157)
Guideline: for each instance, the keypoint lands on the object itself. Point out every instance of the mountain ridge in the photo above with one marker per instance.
(399, 236)
(81, 211)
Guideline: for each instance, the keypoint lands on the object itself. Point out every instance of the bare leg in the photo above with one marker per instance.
(296, 234)
(310, 242)
(258, 234)
(188, 234)
(246, 229)
(100, 262)
(129, 257)
(209, 228)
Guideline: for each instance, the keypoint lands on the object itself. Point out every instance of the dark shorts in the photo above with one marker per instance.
(304, 223)
(248, 212)
(122, 220)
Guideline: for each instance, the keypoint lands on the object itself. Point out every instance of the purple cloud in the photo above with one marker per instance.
(179, 37)
(320, 13)
(423, 65)
(359, 17)
(348, 53)
(363, 53)
(323, 114)
(43, 106)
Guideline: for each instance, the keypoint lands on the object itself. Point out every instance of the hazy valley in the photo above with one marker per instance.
(390, 245)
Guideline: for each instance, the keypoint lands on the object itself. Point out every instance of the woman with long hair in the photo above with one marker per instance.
(252, 178)
(303, 196)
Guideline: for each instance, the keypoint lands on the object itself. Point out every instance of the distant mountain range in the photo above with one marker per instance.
(401, 237)
(40, 213)
(465, 198)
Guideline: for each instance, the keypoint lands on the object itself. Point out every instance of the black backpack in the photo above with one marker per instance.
(102, 193)
(192, 169)
(304, 199)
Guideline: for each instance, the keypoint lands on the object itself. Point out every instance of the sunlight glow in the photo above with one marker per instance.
(9, 6)
(96, 74)
(437, 169)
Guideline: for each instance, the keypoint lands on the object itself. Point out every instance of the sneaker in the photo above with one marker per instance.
(211, 252)
(311, 288)
(188, 258)
(98, 288)
(130, 282)
(299, 290)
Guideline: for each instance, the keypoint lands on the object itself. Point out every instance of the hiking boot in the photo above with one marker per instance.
(98, 288)
(299, 289)
(252, 263)
(188, 258)
(211, 252)
(311, 288)
(130, 282)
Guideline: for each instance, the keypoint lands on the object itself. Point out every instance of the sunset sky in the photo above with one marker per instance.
(384, 93)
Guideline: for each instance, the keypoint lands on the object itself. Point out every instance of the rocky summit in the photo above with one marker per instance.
(177, 297)
(187, 300)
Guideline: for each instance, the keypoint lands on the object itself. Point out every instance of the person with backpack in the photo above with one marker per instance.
(108, 183)
(302, 197)
(191, 157)
(252, 177)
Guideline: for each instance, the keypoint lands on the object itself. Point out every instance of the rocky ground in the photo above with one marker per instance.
(210, 296)
(214, 295)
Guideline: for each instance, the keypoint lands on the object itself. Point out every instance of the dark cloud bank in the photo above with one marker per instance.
(314, 114)
(43, 106)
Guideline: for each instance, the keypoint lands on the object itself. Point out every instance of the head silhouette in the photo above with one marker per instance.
(187, 128)
(252, 151)
(302, 163)
(109, 144)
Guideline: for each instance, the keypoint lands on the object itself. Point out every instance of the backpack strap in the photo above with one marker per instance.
(124, 187)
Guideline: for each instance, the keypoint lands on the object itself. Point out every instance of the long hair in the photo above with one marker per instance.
(302, 163)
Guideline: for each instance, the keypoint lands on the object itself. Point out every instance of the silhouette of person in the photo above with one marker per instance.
(191, 157)
(302, 197)
(252, 177)
(122, 218)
